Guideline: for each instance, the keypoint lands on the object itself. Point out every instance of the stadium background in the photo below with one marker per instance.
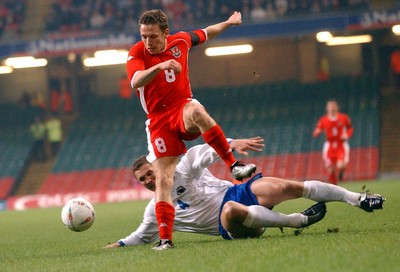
(277, 91)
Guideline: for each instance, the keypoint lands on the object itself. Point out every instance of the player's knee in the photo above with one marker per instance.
(290, 187)
(198, 113)
(229, 209)
(233, 210)
(341, 165)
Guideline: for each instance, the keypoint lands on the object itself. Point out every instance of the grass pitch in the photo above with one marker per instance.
(36, 240)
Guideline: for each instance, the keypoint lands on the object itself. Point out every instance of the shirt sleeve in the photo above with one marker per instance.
(197, 159)
(349, 127)
(320, 124)
(135, 61)
(147, 232)
(198, 36)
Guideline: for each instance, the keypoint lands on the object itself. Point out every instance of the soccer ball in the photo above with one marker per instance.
(78, 214)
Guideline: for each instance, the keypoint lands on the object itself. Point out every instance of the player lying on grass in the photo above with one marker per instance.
(205, 204)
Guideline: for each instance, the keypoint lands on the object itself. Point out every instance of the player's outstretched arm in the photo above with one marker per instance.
(215, 30)
(317, 131)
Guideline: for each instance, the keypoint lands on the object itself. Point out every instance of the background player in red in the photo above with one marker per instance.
(338, 129)
(157, 67)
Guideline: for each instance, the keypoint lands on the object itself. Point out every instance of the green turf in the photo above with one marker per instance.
(36, 240)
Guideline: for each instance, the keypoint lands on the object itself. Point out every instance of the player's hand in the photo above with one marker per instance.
(235, 19)
(344, 137)
(171, 65)
(112, 245)
(243, 145)
(316, 132)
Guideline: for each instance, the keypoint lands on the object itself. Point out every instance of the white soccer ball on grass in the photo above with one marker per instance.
(78, 214)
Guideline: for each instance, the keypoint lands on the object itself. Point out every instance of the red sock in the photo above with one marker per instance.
(165, 214)
(215, 137)
(332, 178)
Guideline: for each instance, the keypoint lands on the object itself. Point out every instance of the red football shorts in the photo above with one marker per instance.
(166, 132)
(334, 152)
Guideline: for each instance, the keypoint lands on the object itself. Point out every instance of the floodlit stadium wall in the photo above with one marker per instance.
(96, 156)
(275, 93)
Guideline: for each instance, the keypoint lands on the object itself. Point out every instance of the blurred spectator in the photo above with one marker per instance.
(258, 13)
(61, 101)
(325, 5)
(25, 100)
(281, 7)
(125, 89)
(38, 133)
(270, 12)
(198, 8)
(156, 4)
(304, 6)
(54, 134)
(39, 102)
(323, 72)
(315, 7)
(335, 5)
(177, 11)
(97, 20)
(54, 100)
(292, 7)
(224, 11)
(245, 9)
(395, 65)
(66, 97)
(131, 24)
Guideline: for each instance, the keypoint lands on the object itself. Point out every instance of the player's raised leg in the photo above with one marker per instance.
(164, 169)
(319, 191)
(272, 191)
(196, 119)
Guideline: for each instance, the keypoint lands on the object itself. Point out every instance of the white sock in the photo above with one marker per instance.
(324, 192)
(259, 216)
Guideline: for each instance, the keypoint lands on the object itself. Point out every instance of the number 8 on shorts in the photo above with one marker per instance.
(160, 144)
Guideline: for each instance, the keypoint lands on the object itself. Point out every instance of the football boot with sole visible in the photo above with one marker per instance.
(241, 171)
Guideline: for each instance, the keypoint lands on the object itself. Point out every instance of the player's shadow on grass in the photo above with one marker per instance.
(287, 234)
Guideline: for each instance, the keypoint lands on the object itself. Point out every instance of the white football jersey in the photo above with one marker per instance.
(197, 196)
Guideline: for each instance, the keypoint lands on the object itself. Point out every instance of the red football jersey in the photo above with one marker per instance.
(334, 128)
(167, 88)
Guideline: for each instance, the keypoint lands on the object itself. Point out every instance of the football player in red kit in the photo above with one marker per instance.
(338, 129)
(157, 67)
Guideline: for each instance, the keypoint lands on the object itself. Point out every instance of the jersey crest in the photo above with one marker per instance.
(175, 51)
